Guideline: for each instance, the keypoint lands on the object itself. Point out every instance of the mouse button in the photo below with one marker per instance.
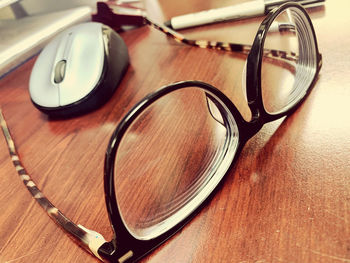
(84, 67)
(67, 44)
(41, 88)
(62, 43)
(60, 70)
(46, 60)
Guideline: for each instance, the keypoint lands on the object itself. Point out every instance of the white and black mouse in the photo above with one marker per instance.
(79, 70)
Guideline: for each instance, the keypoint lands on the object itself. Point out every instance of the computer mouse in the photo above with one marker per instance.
(79, 70)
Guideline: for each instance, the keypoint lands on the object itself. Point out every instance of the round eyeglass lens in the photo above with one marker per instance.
(289, 61)
(171, 158)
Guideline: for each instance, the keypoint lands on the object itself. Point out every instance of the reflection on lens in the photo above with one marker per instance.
(289, 62)
(171, 158)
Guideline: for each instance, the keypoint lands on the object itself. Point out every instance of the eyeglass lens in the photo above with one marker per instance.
(171, 158)
(289, 61)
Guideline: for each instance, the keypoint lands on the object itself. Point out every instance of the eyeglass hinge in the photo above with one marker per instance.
(94, 240)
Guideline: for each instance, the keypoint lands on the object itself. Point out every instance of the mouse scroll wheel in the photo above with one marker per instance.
(60, 70)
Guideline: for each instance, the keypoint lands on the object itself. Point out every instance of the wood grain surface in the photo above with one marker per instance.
(286, 200)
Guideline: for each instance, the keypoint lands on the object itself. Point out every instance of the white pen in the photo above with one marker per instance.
(239, 11)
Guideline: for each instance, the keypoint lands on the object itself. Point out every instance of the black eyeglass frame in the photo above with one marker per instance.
(125, 247)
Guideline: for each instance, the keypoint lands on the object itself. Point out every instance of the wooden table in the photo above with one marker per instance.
(287, 199)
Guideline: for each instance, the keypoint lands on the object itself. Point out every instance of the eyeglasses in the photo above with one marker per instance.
(171, 151)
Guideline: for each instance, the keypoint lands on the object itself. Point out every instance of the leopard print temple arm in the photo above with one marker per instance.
(105, 14)
(226, 46)
(88, 239)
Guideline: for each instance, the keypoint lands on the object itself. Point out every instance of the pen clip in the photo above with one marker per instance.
(118, 15)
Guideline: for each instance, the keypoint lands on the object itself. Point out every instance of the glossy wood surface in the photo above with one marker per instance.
(286, 200)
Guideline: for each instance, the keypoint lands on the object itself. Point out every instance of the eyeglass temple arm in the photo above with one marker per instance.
(218, 45)
(88, 239)
(137, 17)
(226, 46)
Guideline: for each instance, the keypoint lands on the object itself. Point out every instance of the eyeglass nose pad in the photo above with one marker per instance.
(214, 110)
(244, 81)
